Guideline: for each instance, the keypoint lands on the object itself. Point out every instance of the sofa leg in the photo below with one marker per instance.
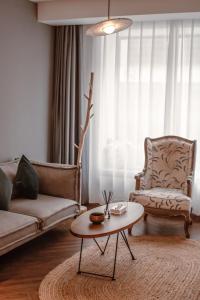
(145, 217)
(186, 228)
(130, 230)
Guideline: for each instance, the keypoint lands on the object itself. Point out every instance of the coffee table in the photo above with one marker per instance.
(82, 228)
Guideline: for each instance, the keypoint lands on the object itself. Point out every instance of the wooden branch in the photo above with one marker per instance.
(84, 129)
(86, 97)
(83, 132)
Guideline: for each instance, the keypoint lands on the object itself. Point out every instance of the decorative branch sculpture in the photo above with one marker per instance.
(83, 133)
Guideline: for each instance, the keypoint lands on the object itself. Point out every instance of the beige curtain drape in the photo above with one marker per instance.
(65, 108)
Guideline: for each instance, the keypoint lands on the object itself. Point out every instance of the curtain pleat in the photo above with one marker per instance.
(65, 108)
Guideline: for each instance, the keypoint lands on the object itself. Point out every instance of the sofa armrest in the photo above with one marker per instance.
(189, 185)
(59, 180)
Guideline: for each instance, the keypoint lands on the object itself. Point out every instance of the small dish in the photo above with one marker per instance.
(97, 217)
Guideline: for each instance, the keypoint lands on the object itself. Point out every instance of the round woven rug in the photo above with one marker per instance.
(165, 268)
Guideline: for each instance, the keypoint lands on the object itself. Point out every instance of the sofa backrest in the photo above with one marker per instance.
(57, 180)
(54, 179)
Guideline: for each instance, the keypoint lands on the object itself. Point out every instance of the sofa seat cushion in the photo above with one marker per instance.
(15, 228)
(49, 210)
(171, 199)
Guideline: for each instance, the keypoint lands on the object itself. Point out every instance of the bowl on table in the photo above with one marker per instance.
(97, 217)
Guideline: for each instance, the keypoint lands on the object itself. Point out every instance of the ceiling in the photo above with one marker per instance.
(37, 1)
(64, 12)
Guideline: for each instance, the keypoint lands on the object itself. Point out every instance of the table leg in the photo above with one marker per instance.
(106, 245)
(102, 251)
(116, 247)
(80, 257)
(127, 244)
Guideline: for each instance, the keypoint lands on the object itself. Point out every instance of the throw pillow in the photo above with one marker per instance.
(26, 182)
(5, 191)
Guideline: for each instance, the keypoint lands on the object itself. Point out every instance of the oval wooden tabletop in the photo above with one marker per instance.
(82, 227)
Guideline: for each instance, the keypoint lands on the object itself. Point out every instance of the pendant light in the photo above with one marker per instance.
(109, 26)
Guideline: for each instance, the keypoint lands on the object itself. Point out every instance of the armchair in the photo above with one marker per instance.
(165, 186)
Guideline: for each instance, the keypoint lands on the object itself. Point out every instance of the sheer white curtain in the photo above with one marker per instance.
(147, 83)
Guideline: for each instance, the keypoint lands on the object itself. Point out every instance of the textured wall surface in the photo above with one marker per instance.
(25, 81)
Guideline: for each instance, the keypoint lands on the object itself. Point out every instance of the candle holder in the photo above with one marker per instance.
(107, 198)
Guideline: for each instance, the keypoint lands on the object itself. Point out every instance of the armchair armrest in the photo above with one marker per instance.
(143, 181)
(59, 180)
(138, 178)
(189, 185)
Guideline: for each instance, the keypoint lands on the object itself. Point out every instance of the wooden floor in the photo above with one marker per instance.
(22, 270)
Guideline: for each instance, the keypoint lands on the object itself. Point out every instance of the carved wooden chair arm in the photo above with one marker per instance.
(138, 179)
(139, 175)
(189, 185)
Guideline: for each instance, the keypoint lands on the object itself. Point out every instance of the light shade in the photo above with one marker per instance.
(109, 26)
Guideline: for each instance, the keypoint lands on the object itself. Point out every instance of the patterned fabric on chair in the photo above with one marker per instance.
(163, 198)
(165, 185)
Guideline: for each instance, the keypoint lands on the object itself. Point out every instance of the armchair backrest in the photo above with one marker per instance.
(169, 160)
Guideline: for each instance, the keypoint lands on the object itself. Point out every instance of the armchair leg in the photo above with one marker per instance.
(145, 217)
(190, 216)
(130, 230)
(186, 227)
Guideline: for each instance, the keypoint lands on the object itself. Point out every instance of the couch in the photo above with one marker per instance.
(28, 219)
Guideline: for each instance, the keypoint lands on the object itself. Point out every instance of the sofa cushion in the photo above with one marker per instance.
(15, 227)
(49, 210)
(10, 169)
(57, 180)
(26, 182)
(5, 191)
(171, 199)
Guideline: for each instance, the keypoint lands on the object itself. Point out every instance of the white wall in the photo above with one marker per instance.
(25, 81)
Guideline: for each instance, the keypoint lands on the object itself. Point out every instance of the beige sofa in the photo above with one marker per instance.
(28, 219)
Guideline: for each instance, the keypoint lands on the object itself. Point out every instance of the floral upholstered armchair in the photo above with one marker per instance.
(165, 185)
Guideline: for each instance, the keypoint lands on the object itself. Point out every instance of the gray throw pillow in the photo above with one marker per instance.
(26, 183)
(5, 191)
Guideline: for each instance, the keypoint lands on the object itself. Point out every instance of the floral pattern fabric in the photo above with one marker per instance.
(171, 199)
(169, 163)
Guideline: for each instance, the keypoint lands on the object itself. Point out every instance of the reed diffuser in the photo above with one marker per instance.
(107, 198)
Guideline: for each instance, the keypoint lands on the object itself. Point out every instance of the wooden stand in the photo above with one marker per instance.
(83, 132)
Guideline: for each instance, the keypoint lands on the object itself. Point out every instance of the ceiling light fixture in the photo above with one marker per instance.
(109, 26)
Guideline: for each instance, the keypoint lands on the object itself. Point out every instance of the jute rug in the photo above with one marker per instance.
(166, 268)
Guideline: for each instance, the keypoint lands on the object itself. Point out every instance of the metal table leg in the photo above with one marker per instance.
(116, 247)
(102, 252)
(80, 257)
(127, 244)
